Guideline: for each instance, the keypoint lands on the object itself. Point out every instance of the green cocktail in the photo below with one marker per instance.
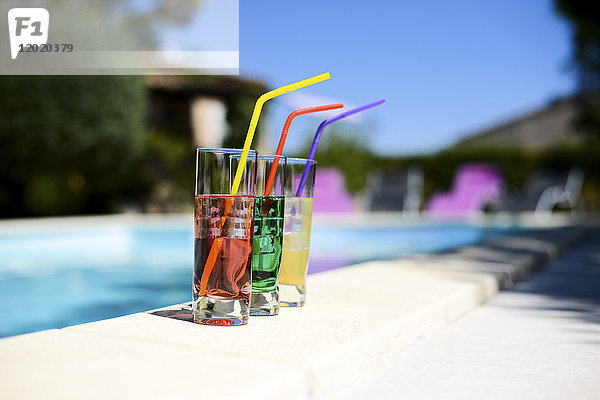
(267, 245)
(268, 242)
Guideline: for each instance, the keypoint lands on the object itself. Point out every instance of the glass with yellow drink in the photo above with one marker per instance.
(296, 234)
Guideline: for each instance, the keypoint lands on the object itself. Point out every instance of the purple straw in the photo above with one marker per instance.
(313, 148)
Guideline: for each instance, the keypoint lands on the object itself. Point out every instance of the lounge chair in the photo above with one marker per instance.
(331, 195)
(546, 189)
(475, 186)
(395, 190)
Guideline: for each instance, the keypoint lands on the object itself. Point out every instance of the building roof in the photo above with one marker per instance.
(540, 129)
(211, 85)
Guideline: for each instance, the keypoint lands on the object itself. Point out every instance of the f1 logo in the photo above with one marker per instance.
(27, 26)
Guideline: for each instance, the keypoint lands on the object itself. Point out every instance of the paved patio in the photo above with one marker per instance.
(538, 341)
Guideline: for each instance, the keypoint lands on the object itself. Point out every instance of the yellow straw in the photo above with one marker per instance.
(216, 246)
(256, 115)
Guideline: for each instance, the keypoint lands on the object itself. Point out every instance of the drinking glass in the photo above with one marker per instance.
(296, 235)
(223, 236)
(268, 234)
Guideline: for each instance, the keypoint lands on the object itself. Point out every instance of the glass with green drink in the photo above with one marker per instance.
(268, 234)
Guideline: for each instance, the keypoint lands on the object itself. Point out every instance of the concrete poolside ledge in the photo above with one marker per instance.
(353, 317)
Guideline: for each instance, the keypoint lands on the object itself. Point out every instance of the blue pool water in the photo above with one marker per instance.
(70, 276)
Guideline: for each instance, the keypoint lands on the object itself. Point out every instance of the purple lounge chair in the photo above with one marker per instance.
(330, 192)
(475, 186)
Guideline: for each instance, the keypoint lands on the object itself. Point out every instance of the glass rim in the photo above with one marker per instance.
(271, 157)
(224, 195)
(303, 160)
(223, 150)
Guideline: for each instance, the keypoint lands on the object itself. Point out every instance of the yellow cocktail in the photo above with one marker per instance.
(296, 241)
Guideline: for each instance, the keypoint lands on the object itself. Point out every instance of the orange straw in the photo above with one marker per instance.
(286, 128)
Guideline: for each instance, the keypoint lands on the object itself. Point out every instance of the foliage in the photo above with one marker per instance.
(169, 163)
(584, 17)
(70, 144)
(348, 153)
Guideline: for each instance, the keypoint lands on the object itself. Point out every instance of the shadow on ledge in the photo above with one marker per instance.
(182, 312)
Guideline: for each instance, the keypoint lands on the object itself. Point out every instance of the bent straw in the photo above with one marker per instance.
(256, 114)
(313, 148)
(216, 246)
(284, 132)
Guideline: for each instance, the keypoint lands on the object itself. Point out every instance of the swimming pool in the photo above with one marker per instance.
(55, 275)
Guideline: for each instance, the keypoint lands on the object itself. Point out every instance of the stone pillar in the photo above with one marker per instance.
(208, 115)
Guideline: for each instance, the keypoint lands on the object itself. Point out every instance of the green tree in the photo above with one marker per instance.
(584, 18)
(349, 153)
(70, 144)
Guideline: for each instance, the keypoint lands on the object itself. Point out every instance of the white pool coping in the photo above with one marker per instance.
(353, 317)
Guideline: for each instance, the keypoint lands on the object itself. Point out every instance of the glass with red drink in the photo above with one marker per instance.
(224, 228)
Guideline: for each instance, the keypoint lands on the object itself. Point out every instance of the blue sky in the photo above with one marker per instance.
(446, 68)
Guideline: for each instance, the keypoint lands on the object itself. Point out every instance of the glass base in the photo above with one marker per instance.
(266, 303)
(209, 311)
(292, 295)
